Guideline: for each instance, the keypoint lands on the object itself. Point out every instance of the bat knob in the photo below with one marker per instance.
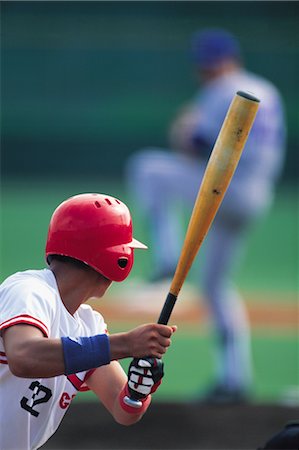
(134, 403)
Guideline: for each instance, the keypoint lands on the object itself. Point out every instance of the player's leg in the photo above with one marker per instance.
(228, 313)
(245, 201)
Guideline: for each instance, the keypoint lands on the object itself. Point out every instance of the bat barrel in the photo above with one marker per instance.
(220, 169)
(248, 96)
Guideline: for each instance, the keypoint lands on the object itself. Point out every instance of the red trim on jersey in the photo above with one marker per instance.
(88, 374)
(3, 358)
(78, 383)
(25, 319)
(84, 388)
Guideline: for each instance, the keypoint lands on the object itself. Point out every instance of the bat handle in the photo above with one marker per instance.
(163, 319)
(167, 308)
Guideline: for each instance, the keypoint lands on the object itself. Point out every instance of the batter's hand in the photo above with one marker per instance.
(152, 340)
(144, 377)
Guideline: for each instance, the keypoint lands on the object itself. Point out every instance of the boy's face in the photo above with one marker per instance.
(101, 285)
(97, 283)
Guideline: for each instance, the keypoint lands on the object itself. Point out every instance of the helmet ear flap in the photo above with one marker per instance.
(122, 262)
(115, 263)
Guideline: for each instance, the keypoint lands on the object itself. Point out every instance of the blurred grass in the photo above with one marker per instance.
(271, 266)
(26, 209)
(189, 367)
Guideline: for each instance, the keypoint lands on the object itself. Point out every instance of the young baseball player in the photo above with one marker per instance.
(53, 345)
(160, 180)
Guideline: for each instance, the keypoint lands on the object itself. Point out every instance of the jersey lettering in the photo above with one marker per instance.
(41, 394)
(65, 400)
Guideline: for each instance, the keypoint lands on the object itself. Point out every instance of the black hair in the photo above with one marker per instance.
(75, 262)
(67, 259)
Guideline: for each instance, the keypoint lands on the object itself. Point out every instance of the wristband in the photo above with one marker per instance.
(84, 353)
(130, 409)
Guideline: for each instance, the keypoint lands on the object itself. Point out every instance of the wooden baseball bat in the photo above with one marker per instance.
(218, 174)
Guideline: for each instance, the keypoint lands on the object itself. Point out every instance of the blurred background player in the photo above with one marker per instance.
(52, 345)
(161, 179)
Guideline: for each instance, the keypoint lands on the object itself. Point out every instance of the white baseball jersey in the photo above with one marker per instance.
(32, 409)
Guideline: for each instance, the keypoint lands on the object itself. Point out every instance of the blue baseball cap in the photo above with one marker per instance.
(211, 46)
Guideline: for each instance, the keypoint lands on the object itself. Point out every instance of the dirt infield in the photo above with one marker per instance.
(135, 307)
(172, 426)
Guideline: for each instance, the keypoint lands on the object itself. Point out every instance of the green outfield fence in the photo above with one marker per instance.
(84, 84)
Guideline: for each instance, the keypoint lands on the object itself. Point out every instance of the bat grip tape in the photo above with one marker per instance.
(167, 308)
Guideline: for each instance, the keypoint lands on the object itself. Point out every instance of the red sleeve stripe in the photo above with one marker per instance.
(25, 319)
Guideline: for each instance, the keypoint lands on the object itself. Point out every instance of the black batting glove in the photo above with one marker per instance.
(144, 377)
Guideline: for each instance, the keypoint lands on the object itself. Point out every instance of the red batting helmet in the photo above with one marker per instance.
(95, 229)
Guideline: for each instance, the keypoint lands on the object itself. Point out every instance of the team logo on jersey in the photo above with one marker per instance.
(65, 400)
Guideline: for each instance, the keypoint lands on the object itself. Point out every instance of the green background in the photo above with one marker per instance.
(84, 85)
(269, 275)
(271, 262)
